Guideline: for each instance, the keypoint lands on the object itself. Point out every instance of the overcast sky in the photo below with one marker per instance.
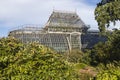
(14, 13)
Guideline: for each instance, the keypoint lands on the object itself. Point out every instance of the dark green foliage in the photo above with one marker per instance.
(108, 51)
(99, 54)
(114, 40)
(86, 57)
(107, 54)
(107, 11)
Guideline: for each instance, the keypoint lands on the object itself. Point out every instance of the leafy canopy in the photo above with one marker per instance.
(107, 11)
(108, 51)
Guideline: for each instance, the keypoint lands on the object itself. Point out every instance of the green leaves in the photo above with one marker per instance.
(32, 62)
(106, 13)
(8, 48)
(108, 51)
(111, 72)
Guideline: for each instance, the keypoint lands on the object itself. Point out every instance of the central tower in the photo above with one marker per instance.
(69, 24)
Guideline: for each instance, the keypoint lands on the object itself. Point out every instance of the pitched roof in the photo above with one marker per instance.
(65, 19)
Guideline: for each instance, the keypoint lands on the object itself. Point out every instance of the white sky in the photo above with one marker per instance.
(14, 13)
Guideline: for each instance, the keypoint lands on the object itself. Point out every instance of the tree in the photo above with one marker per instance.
(108, 51)
(107, 11)
(114, 41)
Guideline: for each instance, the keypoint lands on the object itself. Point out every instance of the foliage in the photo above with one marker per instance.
(32, 61)
(74, 56)
(108, 51)
(86, 57)
(107, 56)
(79, 66)
(109, 72)
(77, 56)
(114, 41)
(100, 53)
(107, 11)
(8, 49)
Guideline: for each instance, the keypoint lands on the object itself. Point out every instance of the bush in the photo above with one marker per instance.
(8, 48)
(75, 56)
(36, 62)
(109, 72)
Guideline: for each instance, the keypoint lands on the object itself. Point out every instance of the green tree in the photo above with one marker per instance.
(108, 51)
(114, 41)
(107, 11)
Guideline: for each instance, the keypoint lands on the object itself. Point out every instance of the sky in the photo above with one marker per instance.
(15, 13)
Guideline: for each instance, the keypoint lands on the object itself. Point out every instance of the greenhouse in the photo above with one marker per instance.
(62, 32)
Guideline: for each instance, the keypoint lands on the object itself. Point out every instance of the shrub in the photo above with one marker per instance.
(37, 62)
